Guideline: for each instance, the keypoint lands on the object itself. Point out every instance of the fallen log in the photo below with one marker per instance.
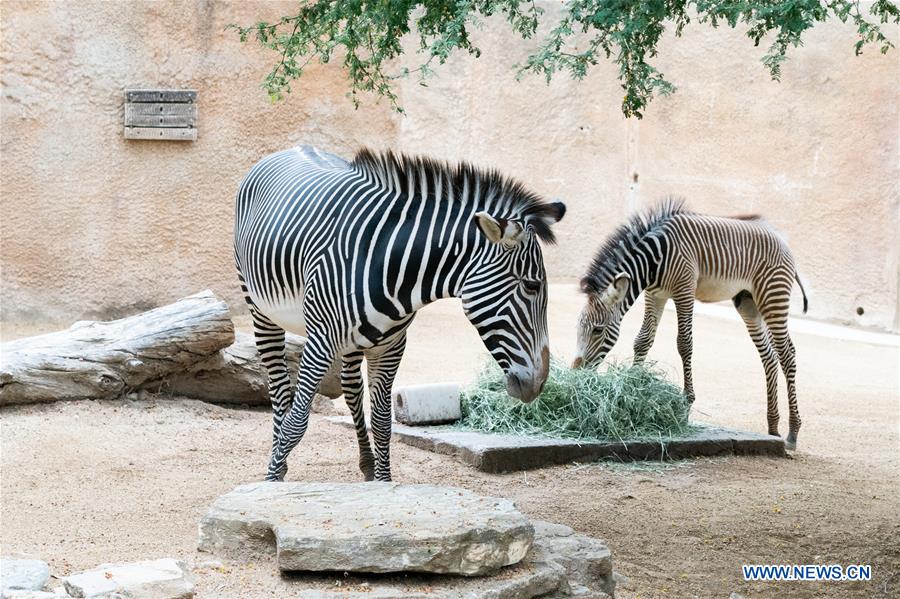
(236, 376)
(104, 360)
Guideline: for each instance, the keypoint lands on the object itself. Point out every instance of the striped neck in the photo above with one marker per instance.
(438, 246)
(643, 260)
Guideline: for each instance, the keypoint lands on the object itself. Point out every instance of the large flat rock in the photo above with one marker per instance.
(367, 527)
(490, 452)
(561, 563)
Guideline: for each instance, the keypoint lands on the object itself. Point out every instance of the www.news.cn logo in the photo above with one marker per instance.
(806, 572)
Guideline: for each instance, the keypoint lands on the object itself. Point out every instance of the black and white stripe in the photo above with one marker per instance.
(671, 253)
(346, 253)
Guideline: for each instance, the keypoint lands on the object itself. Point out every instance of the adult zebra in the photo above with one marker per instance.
(347, 252)
(673, 253)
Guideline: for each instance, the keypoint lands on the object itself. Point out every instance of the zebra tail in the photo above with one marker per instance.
(802, 290)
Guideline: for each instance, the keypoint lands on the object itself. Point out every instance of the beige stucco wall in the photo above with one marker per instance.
(93, 224)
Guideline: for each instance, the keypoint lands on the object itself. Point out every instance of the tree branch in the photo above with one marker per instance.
(369, 32)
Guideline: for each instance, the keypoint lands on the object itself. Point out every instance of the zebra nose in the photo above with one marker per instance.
(522, 388)
(578, 363)
(514, 386)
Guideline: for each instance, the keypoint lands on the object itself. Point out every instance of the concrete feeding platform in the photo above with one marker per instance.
(490, 452)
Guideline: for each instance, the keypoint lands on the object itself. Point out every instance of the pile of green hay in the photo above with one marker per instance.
(624, 402)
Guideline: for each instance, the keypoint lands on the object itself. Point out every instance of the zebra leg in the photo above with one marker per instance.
(684, 308)
(653, 307)
(788, 358)
(314, 363)
(382, 368)
(352, 384)
(270, 346)
(762, 339)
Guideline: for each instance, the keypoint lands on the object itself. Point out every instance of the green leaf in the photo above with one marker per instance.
(370, 35)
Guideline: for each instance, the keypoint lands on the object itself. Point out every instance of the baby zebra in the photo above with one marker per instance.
(673, 253)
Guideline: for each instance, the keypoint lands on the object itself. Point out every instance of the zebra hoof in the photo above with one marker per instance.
(278, 476)
(791, 442)
(368, 472)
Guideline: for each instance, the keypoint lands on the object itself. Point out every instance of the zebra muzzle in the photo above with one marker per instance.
(523, 389)
(526, 384)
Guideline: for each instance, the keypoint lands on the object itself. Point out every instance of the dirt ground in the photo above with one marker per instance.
(90, 482)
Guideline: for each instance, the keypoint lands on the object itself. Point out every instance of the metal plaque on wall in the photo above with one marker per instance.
(166, 114)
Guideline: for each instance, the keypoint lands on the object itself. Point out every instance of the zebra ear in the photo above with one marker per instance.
(589, 285)
(541, 217)
(559, 210)
(616, 290)
(550, 214)
(507, 232)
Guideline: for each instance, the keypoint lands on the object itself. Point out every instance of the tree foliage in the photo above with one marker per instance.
(369, 34)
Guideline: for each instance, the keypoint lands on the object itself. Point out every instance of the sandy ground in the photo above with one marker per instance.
(91, 482)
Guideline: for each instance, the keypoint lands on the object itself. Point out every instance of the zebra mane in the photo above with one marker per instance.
(605, 265)
(397, 171)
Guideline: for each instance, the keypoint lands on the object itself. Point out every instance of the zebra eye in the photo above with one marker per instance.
(532, 287)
